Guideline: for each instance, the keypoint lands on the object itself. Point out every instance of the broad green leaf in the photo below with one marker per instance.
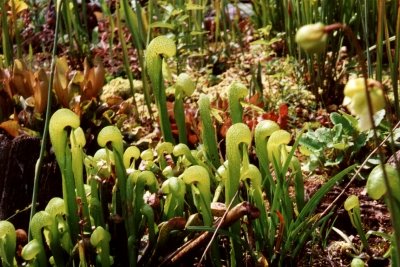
(336, 119)
(376, 185)
(340, 146)
(324, 135)
(337, 131)
(310, 142)
(353, 120)
(360, 141)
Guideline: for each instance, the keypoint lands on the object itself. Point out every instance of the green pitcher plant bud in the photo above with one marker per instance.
(312, 38)
(352, 206)
(158, 49)
(31, 251)
(356, 100)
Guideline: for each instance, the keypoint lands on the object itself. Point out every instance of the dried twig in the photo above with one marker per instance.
(237, 212)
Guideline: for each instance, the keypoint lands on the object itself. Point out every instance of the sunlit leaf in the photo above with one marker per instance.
(19, 6)
(216, 114)
(183, 18)
(191, 6)
(340, 146)
(194, 33)
(251, 106)
(376, 185)
(160, 24)
(60, 83)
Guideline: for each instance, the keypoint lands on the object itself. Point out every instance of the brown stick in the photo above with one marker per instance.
(233, 215)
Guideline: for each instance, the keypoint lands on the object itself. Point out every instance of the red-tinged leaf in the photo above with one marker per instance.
(224, 128)
(251, 122)
(256, 100)
(270, 116)
(11, 127)
(283, 110)
(283, 116)
(193, 139)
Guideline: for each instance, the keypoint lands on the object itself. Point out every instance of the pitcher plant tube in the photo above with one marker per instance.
(208, 134)
(139, 183)
(238, 138)
(100, 239)
(263, 131)
(78, 141)
(59, 238)
(184, 87)
(8, 243)
(110, 135)
(198, 178)
(59, 122)
(237, 91)
(157, 49)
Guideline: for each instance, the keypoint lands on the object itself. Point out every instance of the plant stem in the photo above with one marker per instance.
(46, 123)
